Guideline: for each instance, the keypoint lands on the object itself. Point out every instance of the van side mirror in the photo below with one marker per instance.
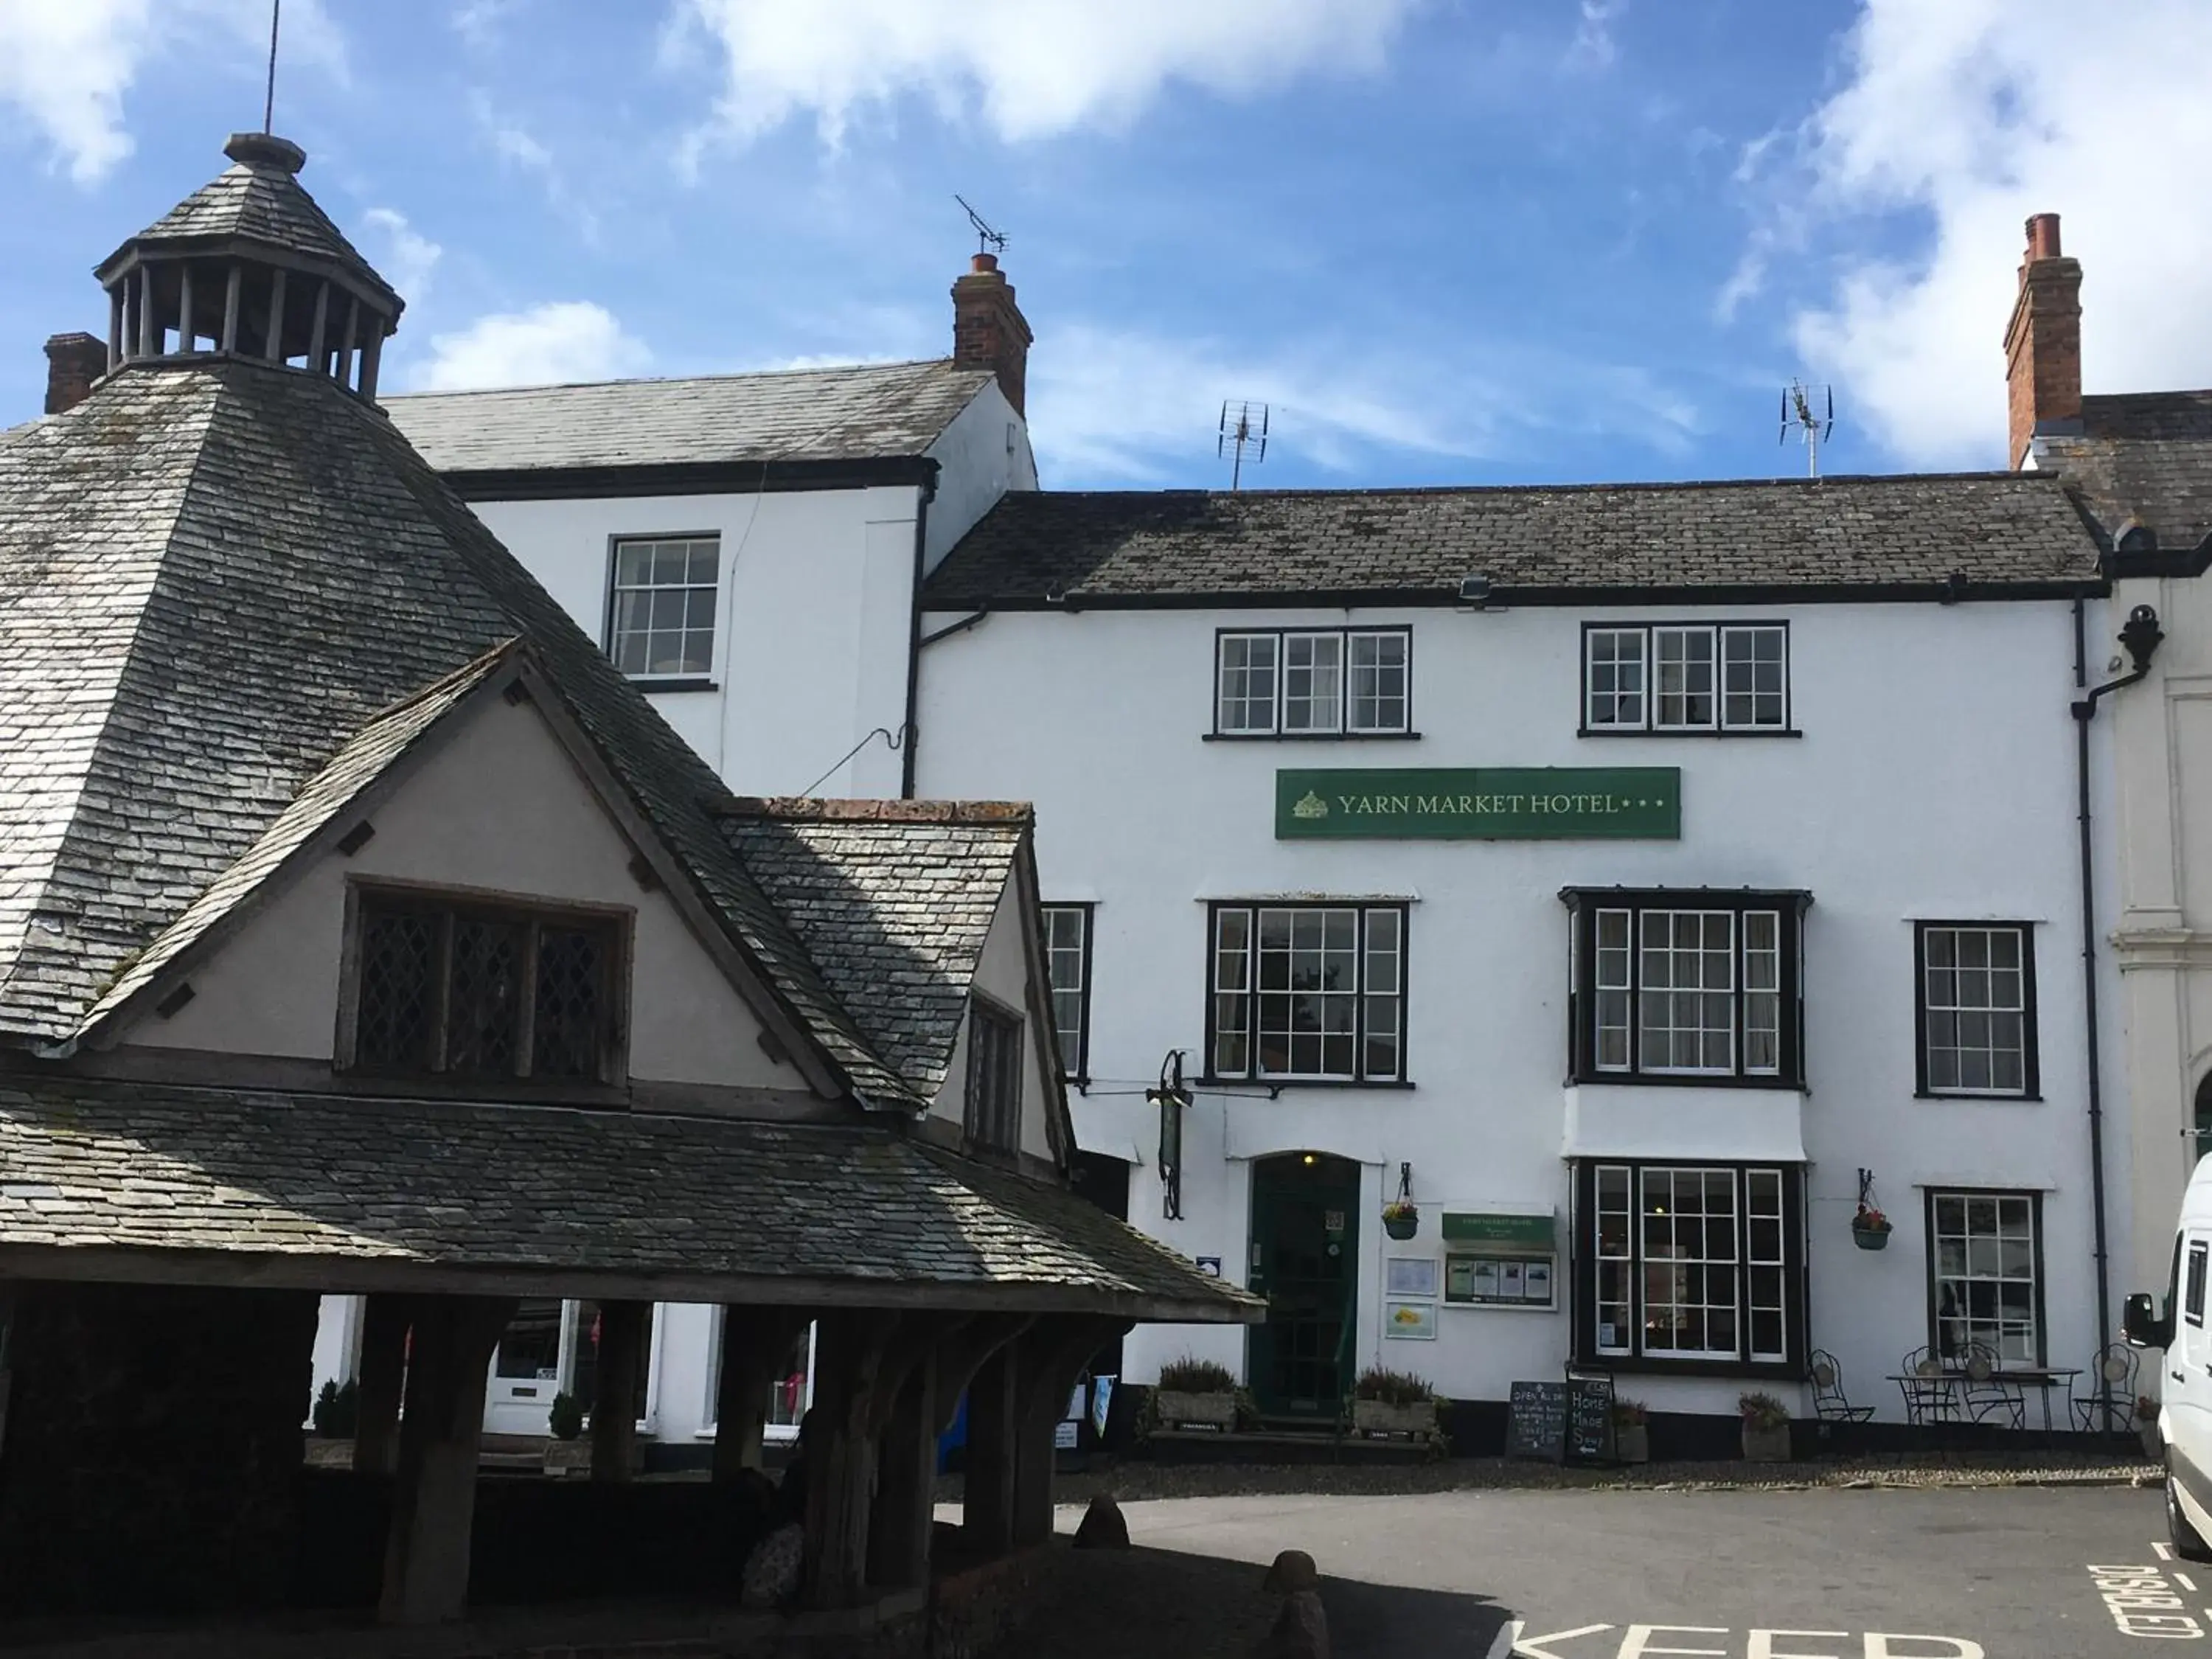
(2140, 1323)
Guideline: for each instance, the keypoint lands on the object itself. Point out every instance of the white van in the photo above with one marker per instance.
(2184, 1416)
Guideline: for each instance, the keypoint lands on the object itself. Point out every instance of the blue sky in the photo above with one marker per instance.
(1448, 240)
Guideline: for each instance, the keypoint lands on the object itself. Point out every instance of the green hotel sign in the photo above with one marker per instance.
(1527, 1232)
(1483, 803)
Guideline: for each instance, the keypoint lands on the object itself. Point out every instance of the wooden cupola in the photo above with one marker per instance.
(249, 266)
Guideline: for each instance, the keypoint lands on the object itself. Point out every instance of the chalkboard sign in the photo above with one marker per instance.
(1589, 1421)
(1561, 1422)
(1536, 1424)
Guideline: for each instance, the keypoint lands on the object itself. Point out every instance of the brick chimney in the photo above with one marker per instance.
(74, 361)
(988, 329)
(2043, 342)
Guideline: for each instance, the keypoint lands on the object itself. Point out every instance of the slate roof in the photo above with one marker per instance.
(1999, 531)
(871, 412)
(377, 1188)
(893, 900)
(2145, 456)
(212, 576)
(258, 200)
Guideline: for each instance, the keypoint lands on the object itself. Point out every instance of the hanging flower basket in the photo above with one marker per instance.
(1870, 1229)
(1401, 1219)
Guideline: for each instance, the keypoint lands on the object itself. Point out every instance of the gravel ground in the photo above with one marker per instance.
(1136, 1480)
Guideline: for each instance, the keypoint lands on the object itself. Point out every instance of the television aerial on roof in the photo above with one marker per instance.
(1243, 433)
(987, 240)
(1798, 401)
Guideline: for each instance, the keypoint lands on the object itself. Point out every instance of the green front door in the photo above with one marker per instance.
(1305, 1260)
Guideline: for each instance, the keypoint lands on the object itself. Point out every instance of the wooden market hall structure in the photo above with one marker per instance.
(364, 932)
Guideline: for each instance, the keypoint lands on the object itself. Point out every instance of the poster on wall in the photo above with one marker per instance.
(1410, 1275)
(1412, 1320)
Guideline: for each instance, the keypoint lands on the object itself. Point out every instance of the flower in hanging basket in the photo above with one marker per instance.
(1401, 1217)
(1869, 1220)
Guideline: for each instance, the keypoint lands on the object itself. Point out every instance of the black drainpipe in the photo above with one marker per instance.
(2140, 636)
(914, 640)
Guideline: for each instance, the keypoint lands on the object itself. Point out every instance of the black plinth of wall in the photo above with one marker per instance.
(153, 1442)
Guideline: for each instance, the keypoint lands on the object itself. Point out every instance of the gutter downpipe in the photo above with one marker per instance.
(2141, 637)
(923, 494)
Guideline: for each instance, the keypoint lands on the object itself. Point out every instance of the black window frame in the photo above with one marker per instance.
(1343, 734)
(993, 1124)
(1936, 1345)
(1719, 728)
(2031, 1064)
(2192, 1305)
(1583, 904)
(1583, 1232)
(1080, 1076)
(657, 682)
(1253, 1073)
(366, 901)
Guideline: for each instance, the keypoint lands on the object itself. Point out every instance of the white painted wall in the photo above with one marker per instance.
(983, 453)
(1002, 973)
(1934, 779)
(497, 806)
(2159, 843)
(814, 616)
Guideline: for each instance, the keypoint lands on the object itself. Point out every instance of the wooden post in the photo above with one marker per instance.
(149, 334)
(426, 1562)
(383, 1365)
(754, 1343)
(624, 1329)
(1052, 1356)
(115, 326)
(275, 351)
(848, 1349)
(345, 351)
(231, 294)
(905, 1486)
(321, 322)
(369, 354)
(184, 306)
(987, 1510)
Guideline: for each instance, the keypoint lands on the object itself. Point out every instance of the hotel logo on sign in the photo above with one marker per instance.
(1545, 803)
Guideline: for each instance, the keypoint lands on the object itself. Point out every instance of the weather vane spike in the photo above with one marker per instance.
(269, 104)
(987, 240)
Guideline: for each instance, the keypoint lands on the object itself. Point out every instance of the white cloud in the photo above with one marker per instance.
(1593, 45)
(1965, 118)
(1110, 403)
(66, 64)
(409, 256)
(549, 344)
(1034, 68)
(480, 21)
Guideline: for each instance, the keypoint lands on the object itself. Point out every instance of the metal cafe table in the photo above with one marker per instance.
(1941, 1394)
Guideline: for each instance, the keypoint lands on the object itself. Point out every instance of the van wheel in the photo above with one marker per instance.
(2186, 1544)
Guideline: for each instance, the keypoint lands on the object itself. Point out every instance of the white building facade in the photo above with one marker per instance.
(1620, 874)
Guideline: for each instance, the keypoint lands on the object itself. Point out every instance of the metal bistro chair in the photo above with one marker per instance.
(1830, 1403)
(1987, 1395)
(2114, 1370)
(1930, 1393)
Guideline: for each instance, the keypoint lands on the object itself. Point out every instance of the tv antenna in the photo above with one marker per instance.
(269, 104)
(1243, 431)
(987, 240)
(1797, 410)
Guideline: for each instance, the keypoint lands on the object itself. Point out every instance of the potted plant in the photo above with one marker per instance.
(1631, 1432)
(1766, 1429)
(1393, 1402)
(1870, 1228)
(2147, 1429)
(337, 1410)
(1401, 1217)
(1194, 1393)
(567, 1452)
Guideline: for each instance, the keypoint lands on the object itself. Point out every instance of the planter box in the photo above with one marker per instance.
(1632, 1442)
(1378, 1417)
(1178, 1410)
(1766, 1445)
(565, 1457)
(2154, 1448)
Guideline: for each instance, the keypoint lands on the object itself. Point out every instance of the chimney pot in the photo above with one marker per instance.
(74, 361)
(984, 262)
(2043, 237)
